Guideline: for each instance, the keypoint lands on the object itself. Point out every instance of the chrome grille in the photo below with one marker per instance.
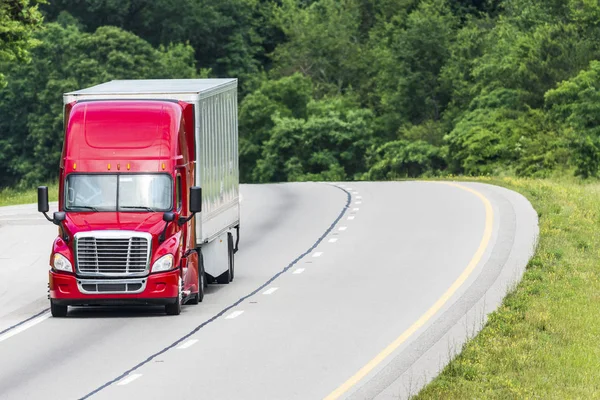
(112, 253)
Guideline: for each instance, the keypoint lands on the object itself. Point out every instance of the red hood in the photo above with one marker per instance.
(150, 222)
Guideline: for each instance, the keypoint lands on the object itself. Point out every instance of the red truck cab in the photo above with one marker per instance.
(126, 202)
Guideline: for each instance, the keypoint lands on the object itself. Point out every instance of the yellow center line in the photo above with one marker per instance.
(487, 235)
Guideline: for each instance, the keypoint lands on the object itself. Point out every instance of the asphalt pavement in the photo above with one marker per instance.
(349, 290)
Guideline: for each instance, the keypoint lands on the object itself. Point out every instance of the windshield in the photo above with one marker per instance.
(116, 192)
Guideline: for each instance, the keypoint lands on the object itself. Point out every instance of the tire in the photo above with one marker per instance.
(198, 297)
(58, 311)
(231, 255)
(227, 276)
(175, 308)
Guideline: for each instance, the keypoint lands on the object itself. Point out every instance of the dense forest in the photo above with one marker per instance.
(329, 89)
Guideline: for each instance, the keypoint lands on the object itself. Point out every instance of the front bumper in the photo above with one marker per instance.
(66, 289)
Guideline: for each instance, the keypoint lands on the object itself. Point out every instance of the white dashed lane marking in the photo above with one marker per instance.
(318, 254)
(128, 379)
(333, 240)
(342, 228)
(234, 314)
(270, 291)
(298, 271)
(24, 326)
(187, 344)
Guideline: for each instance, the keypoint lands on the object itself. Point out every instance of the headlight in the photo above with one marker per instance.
(164, 263)
(61, 263)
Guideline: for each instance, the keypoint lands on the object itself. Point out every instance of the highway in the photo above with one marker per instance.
(350, 290)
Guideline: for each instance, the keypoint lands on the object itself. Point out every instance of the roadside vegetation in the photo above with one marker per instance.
(543, 341)
(9, 197)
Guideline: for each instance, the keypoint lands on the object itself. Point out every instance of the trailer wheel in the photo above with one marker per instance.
(197, 298)
(175, 308)
(57, 310)
(231, 255)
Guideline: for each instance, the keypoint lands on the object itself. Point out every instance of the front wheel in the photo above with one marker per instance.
(175, 308)
(198, 297)
(58, 311)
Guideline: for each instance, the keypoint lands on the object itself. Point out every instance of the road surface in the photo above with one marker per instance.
(350, 290)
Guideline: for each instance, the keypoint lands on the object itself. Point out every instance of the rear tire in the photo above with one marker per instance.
(58, 311)
(175, 308)
(231, 255)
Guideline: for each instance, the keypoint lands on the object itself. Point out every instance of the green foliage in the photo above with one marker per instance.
(405, 159)
(18, 20)
(329, 144)
(576, 105)
(222, 33)
(408, 54)
(323, 42)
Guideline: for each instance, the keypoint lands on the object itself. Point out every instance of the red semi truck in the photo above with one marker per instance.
(148, 207)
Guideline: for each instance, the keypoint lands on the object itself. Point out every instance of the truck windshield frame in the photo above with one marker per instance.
(118, 192)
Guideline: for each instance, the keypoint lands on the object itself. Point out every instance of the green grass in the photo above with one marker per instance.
(9, 197)
(544, 340)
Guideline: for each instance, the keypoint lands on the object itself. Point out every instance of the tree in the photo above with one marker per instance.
(222, 33)
(330, 144)
(19, 19)
(575, 104)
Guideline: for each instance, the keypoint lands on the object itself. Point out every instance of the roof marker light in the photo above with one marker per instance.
(163, 166)
(74, 166)
(128, 166)
(108, 166)
(118, 167)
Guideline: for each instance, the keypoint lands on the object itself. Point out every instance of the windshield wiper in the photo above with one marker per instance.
(138, 208)
(74, 208)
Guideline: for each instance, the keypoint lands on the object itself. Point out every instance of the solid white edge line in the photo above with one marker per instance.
(235, 314)
(270, 291)
(318, 254)
(187, 344)
(25, 326)
(298, 271)
(128, 379)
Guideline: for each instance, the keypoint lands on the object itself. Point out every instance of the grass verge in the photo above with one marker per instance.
(544, 340)
(9, 197)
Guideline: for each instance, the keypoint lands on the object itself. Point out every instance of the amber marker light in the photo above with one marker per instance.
(118, 167)
(128, 166)
(74, 166)
(163, 166)
(108, 166)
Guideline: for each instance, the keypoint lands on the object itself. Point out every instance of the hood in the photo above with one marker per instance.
(150, 222)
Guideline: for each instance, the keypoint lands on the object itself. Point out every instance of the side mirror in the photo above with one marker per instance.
(169, 216)
(195, 199)
(42, 195)
(59, 217)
